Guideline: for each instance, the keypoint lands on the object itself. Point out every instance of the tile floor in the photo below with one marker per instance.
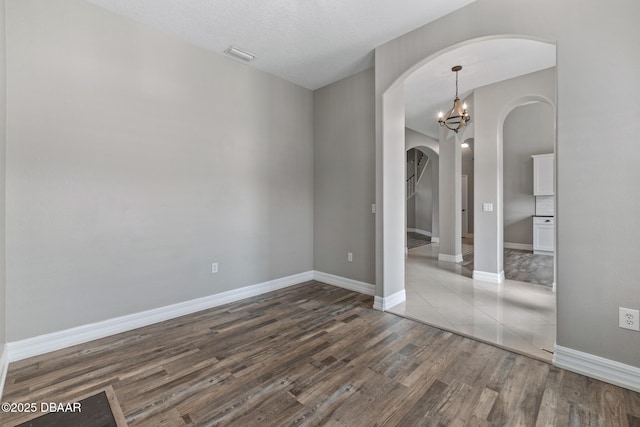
(514, 315)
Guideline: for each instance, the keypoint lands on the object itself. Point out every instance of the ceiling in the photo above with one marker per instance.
(309, 42)
(316, 42)
(432, 87)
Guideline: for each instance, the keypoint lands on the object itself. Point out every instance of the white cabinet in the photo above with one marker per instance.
(543, 167)
(543, 236)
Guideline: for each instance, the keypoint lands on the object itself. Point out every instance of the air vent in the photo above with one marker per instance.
(240, 54)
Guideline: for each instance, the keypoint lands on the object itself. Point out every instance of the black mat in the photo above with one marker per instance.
(95, 412)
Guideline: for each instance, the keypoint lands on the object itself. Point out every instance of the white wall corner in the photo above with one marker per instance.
(488, 277)
(343, 282)
(597, 367)
(450, 258)
(42, 344)
(4, 368)
(385, 303)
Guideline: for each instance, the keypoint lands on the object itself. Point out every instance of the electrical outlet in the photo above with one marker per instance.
(350, 257)
(214, 267)
(629, 319)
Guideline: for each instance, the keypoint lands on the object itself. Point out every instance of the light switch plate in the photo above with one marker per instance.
(487, 207)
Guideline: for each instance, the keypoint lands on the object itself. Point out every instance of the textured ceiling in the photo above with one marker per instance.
(432, 87)
(308, 42)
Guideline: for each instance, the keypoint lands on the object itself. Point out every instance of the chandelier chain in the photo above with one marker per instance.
(456, 84)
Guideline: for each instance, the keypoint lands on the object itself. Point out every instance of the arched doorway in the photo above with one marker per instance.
(391, 225)
(487, 227)
(528, 129)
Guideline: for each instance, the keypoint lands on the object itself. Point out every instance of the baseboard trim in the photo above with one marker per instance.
(450, 258)
(343, 282)
(385, 303)
(519, 246)
(42, 344)
(539, 252)
(4, 367)
(597, 367)
(488, 277)
(417, 230)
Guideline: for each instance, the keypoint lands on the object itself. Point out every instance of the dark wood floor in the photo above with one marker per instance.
(314, 354)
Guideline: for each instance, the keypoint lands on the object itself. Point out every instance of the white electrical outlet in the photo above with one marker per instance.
(350, 257)
(629, 319)
(214, 267)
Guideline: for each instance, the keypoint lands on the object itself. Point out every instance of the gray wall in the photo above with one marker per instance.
(597, 68)
(411, 212)
(127, 169)
(3, 147)
(344, 177)
(528, 130)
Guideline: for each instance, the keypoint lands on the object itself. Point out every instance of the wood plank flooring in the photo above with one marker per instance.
(313, 355)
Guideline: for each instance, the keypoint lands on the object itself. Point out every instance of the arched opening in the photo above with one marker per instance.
(487, 194)
(421, 192)
(528, 131)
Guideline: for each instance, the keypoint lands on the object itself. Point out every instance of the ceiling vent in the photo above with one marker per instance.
(243, 55)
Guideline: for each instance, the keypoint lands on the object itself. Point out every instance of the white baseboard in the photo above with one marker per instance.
(417, 230)
(41, 344)
(450, 258)
(520, 246)
(4, 367)
(539, 252)
(385, 303)
(488, 277)
(343, 282)
(435, 240)
(597, 367)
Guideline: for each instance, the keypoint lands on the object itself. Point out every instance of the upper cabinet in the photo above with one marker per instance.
(543, 167)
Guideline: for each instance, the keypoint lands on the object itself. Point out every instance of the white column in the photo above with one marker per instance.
(450, 206)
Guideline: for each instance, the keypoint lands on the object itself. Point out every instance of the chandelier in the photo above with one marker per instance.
(458, 117)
